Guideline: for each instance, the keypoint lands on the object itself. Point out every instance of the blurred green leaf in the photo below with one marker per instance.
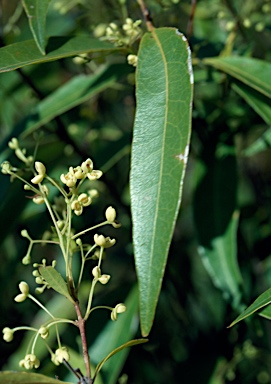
(36, 11)
(76, 91)
(56, 281)
(113, 335)
(26, 377)
(261, 144)
(130, 343)
(266, 312)
(25, 53)
(259, 102)
(217, 222)
(252, 72)
(263, 300)
(159, 156)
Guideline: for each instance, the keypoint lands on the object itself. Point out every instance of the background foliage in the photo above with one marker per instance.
(219, 260)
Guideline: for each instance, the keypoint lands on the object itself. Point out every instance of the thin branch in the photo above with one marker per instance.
(189, 30)
(146, 14)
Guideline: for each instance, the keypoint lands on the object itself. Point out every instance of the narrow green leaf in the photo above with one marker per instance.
(55, 280)
(262, 143)
(26, 377)
(26, 52)
(263, 300)
(36, 11)
(73, 93)
(252, 72)
(112, 336)
(260, 103)
(266, 312)
(130, 343)
(217, 222)
(159, 156)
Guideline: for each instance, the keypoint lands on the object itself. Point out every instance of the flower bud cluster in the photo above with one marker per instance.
(103, 279)
(80, 172)
(126, 35)
(7, 168)
(30, 361)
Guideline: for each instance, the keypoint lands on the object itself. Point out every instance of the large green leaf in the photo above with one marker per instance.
(26, 377)
(71, 94)
(159, 156)
(216, 222)
(252, 72)
(263, 300)
(26, 52)
(36, 11)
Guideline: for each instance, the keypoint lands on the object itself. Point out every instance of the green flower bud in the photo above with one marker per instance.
(24, 233)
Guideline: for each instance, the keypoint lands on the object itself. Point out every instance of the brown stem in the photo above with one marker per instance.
(81, 326)
(146, 14)
(191, 19)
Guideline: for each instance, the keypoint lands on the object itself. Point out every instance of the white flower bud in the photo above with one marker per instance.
(24, 288)
(110, 214)
(96, 272)
(24, 233)
(13, 143)
(62, 353)
(104, 279)
(87, 166)
(20, 298)
(119, 308)
(8, 334)
(37, 179)
(40, 168)
(94, 175)
(38, 200)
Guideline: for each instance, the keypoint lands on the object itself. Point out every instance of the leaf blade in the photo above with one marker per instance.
(216, 220)
(26, 377)
(261, 301)
(159, 157)
(56, 281)
(250, 71)
(18, 55)
(76, 91)
(36, 11)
